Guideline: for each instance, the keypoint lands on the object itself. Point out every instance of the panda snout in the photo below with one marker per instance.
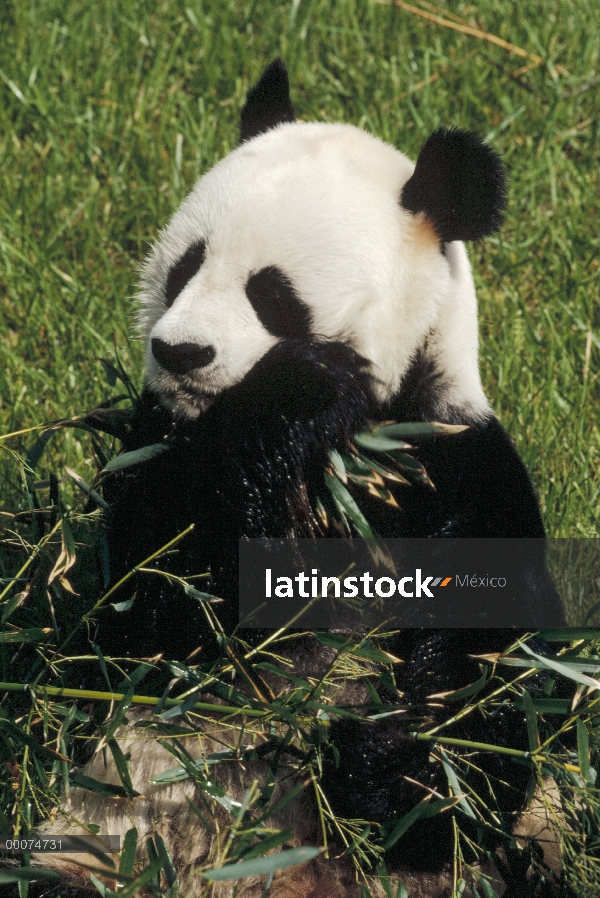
(181, 358)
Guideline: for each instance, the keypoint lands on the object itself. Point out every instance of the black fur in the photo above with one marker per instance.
(184, 270)
(268, 103)
(278, 306)
(459, 184)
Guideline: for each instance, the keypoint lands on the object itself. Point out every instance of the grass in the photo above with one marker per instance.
(109, 111)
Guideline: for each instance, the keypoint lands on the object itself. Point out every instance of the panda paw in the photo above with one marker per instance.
(299, 387)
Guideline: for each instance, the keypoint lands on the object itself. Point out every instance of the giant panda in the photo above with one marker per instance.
(313, 281)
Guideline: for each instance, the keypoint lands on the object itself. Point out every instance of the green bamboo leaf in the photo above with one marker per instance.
(123, 606)
(379, 443)
(145, 876)
(102, 887)
(467, 691)
(464, 803)
(548, 705)
(561, 668)
(127, 859)
(358, 464)
(268, 844)
(574, 662)
(338, 463)
(86, 488)
(93, 785)
(26, 874)
(420, 428)
(401, 890)
(412, 466)
(569, 634)
(488, 891)
(583, 749)
(533, 735)
(348, 506)
(261, 865)
(214, 789)
(33, 634)
(424, 808)
(281, 672)
(122, 768)
(176, 774)
(200, 596)
(333, 640)
(136, 457)
(386, 473)
(362, 481)
(321, 513)
(167, 865)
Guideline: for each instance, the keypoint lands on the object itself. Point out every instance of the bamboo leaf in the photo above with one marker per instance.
(136, 457)
(464, 803)
(466, 691)
(379, 443)
(338, 463)
(26, 874)
(583, 750)
(386, 473)
(94, 785)
(145, 876)
(122, 768)
(262, 865)
(425, 808)
(127, 859)
(200, 596)
(86, 488)
(548, 705)
(333, 640)
(420, 428)
(33, 634)
(348, 506)
(547, 663)
(569, 634)
(533, 735)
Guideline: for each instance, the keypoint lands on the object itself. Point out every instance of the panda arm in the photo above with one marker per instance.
(270, 435)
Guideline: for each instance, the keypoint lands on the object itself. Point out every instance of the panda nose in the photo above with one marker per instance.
(181, 357)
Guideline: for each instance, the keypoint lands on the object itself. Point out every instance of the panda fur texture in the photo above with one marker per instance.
(314, 280)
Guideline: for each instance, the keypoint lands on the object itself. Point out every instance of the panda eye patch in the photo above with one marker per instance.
(184, 270)
(277, 305)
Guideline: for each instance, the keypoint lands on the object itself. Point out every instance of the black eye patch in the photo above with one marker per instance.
(184, 270)
(277, 305)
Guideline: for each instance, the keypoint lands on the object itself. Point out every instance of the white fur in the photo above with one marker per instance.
(322, 203)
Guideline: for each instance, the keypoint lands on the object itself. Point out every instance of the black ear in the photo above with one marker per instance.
(460, 185)
(268, 103)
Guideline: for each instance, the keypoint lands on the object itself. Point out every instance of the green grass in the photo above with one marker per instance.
(110, 111)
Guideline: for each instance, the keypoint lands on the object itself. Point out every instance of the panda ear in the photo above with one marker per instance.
(459, 183)
(268, 103)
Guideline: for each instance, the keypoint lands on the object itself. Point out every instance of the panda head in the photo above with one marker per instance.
(321, 231)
